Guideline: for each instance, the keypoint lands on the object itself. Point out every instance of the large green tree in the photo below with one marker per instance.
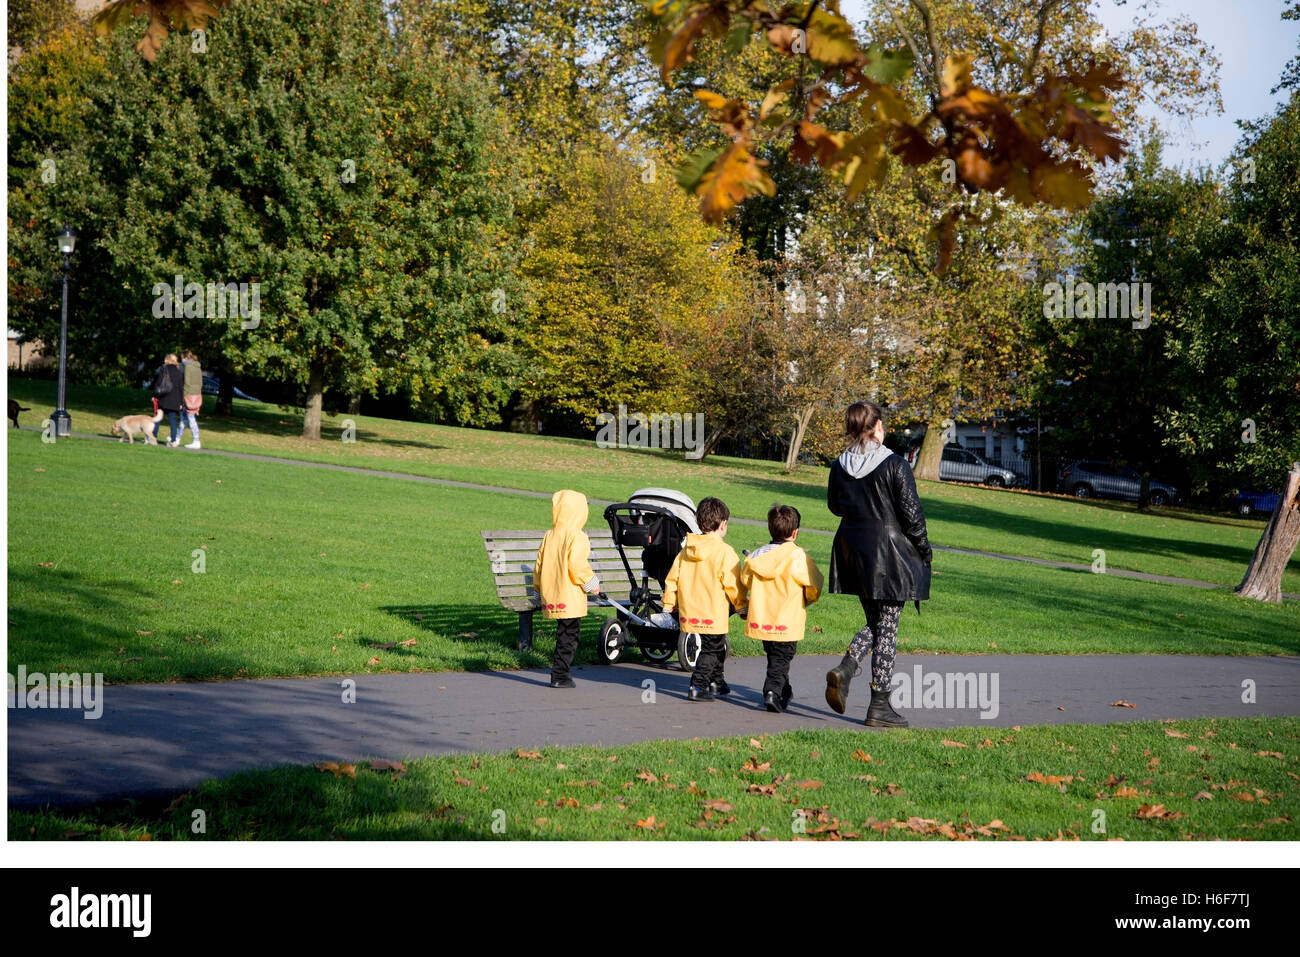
(1238, 336)
(620, 269)
(363, 181)
(952, 132)
(1105, 379)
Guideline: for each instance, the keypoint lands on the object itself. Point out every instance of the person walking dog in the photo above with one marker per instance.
(881, 554)
(168, 383)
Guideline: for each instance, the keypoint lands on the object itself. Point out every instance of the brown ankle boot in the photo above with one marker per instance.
(837, 684)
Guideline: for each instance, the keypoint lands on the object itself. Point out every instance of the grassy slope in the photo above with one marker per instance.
(306, 568)
(1167, 542)
(942, 783)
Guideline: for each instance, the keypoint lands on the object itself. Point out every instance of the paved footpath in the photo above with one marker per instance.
(155, 739)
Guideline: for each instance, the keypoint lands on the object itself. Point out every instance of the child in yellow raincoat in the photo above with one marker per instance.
(704, 585)
(562, 578)
(781, 581)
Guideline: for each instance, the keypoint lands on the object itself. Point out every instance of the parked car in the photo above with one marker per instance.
(212, 386)
(962, 465)
(1090, 478)
(1248, 502)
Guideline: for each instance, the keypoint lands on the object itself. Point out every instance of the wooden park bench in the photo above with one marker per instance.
(512, 554)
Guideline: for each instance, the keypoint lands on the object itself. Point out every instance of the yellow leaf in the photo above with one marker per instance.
(956, 75)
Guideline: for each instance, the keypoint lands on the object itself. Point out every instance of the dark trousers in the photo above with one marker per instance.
(566, 643)
(779, 656)
(708, 668)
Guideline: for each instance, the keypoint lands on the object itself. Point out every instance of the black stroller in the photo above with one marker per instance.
(655, 520)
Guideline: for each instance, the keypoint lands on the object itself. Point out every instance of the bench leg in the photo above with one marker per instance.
(525, 630)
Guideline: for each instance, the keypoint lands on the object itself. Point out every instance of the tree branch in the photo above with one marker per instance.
(916, 53)
(1032, 65)
(936, 58)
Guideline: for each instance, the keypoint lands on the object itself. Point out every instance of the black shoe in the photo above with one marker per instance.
(562, 683)
(719, 688)
(881, 713)
(698, 694)
(786, 694)
(772, 702)
(837, 684)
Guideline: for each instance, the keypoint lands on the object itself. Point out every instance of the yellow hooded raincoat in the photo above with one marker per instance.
(562, 570)
(705, 576)
(780, 581)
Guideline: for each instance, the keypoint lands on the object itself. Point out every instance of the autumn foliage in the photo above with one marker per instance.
(1036, 144)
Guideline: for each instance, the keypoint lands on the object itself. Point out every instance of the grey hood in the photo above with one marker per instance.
(862, 460)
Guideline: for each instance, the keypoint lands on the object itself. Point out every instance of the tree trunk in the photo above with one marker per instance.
(710, 444)
(354, 405)
(1144, 492)
(1264, 576)
(226, 393)
(315, 399)
(927, 460)
(801, 420)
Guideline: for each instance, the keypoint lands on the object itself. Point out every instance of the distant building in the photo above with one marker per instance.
(25, 354)
(995, 443)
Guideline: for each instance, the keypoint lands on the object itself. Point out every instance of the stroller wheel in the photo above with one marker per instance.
(611, 641)
(688, 650)
(657, 655)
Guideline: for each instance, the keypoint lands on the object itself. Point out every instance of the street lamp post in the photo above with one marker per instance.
(61, 421)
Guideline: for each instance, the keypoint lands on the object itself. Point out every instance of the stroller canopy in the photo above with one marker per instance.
(679, 503)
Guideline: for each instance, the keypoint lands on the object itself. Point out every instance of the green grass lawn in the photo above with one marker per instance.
(306, 571)
(1204, 779)
(1176, 542)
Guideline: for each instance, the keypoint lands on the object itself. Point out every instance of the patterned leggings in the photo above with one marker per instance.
(878, 635)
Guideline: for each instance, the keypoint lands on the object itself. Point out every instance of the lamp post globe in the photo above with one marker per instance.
(61, 421)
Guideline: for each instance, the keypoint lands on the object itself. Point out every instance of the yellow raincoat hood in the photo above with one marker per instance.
(562, 570)
(781, 580)
(704, 584)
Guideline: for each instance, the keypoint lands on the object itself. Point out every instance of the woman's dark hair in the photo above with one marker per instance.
(860, 421)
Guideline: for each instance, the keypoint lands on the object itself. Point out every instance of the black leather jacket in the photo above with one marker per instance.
(881, 550)
(173, 401)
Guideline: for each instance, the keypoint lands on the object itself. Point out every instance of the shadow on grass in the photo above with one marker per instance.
(45, 636)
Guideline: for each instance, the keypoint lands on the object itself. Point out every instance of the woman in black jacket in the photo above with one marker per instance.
(881, 554)
(168, 386)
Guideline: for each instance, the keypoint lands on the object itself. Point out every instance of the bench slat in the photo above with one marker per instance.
(525, 590)
(524, 605)
(524, 540)
(514, 553)
(526, 578)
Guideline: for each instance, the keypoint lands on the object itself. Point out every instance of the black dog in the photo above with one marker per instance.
(14, 409)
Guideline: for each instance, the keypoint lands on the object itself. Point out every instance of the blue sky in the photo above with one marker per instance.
(1252, 42)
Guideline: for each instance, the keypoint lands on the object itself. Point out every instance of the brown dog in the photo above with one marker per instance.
(128, 425)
